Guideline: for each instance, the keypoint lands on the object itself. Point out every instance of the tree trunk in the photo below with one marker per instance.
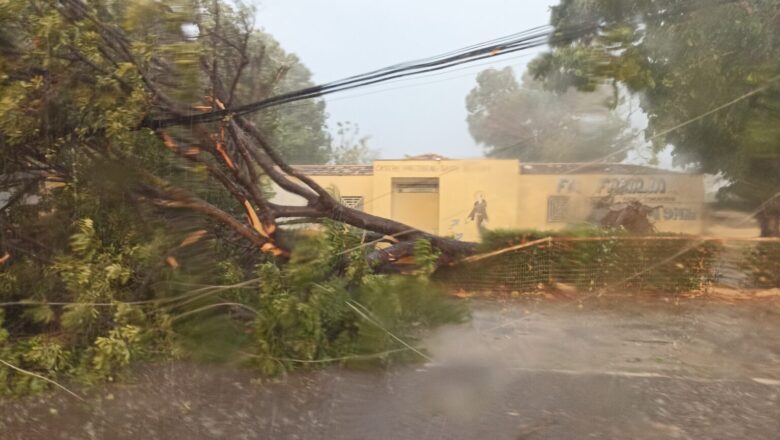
(236, 153)
(769, 222)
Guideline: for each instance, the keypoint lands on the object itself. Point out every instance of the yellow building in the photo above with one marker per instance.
(457, 197)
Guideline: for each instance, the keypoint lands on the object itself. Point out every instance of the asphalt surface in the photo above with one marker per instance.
(615, 368)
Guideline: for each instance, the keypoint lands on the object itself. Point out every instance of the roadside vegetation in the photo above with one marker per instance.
(123, 243)
(93, 312)
(139, 148)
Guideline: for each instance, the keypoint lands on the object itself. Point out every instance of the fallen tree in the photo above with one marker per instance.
(88, 80)
(122, 240)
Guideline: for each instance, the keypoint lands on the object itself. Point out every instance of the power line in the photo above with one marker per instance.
(531, 38)
(409, 82)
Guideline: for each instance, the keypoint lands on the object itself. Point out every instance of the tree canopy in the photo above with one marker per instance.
(82, 80)
(350, 147)
(706, 74)
(527, 122)
(298, 129)
(107, 223)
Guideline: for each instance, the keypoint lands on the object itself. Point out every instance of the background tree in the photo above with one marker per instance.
(684, 59)
(527, 122)
(350, 147)
(298, 129)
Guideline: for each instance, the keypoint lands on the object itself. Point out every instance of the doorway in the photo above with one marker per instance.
(415, 202)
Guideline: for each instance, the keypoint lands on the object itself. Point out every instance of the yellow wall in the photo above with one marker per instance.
(418, 209)
(681, 197)
(460, 182)
(515, 200)
(344, 186)
(350, 186)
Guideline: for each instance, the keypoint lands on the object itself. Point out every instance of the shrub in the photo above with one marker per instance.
(95, 335)
(84, 320)
(672, 263)
(326, 306)
(762, 262)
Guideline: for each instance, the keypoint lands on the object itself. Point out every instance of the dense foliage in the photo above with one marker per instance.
(321, 308)
(687, 62)
(762, 262)
(87, 321)
(588, 259)
(527, 122)
(83, 314)
(120, 243)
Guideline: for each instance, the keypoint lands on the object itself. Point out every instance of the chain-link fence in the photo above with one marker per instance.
(664, 263)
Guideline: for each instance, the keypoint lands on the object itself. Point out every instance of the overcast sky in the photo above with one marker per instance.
(339, 38)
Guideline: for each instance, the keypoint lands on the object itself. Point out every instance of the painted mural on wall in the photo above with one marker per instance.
(617, 186)
(478, 216)
(632, 185)
(478, 212)
(634, 216)
(616, 199)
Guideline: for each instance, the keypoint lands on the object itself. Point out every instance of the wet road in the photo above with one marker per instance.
(525, 369)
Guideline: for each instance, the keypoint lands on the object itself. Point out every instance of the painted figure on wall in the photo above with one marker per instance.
(479, 211)
(632, 215)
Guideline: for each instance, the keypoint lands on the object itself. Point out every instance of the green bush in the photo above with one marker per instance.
(762, 262)
(503, 238)
(674, 266)
(672, 263)
(72, 318)
(325, 306)
(87, 317)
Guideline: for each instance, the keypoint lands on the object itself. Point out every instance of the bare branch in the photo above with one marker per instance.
(179, 199)
(270, 168)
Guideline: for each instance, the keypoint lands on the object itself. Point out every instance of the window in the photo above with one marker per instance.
(354, 202)
(557, 209)
(416, 185)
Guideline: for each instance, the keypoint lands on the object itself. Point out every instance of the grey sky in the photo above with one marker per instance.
(339, 38)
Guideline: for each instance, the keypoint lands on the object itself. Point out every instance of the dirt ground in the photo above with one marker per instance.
(614, 368)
